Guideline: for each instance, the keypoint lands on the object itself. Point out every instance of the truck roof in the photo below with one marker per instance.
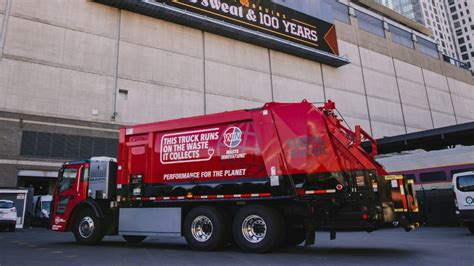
(76, 162)
(195, 121)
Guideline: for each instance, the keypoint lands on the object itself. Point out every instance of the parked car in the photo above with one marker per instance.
(7, 215)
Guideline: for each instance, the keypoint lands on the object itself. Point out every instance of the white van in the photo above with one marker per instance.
(41, 208)
(463, 185)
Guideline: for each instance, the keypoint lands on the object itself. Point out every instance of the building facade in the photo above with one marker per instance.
(73, 72)
(462, 24)
(432, 14)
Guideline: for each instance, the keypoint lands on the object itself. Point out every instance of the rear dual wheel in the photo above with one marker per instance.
(470, 226)
(258, 228)
(206, 228)
(295, 235)
(255, 228)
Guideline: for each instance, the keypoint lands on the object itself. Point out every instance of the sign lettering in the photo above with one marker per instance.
(265, 17)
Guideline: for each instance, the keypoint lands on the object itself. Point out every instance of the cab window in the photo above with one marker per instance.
(466, 183)
(66, 180)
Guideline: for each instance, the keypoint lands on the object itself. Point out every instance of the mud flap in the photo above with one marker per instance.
(310, 233)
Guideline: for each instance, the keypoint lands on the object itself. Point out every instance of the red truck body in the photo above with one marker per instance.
(240, 147)
(294, 161)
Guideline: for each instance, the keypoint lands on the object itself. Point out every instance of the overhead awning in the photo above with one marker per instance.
(38, 173)
(433, 139)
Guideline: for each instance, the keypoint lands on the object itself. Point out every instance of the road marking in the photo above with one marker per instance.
(56, 252)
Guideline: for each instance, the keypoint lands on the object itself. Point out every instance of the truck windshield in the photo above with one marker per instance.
(466, 183)
(66, 180)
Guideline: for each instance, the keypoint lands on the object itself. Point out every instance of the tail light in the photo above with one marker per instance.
(13, 209)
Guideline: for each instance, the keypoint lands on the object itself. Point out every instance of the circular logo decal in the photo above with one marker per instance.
(232, 137)
(469, 200)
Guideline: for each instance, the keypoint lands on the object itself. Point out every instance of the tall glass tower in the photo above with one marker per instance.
(409, 8)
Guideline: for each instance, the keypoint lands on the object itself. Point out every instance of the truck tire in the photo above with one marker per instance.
(295, 235)
(206, 228)
(134, 239)
(258, 228)
(88, 228)
(470, 226)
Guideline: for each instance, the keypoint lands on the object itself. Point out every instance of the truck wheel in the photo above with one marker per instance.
(470, 226)
(134, 239)
(258, 228)
(295, 235)
(12, 228)
(88, 228)
(206, 228)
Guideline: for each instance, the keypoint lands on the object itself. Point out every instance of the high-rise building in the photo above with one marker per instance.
(430, 13)
(461, 15)
(409, 8)
(436, 18)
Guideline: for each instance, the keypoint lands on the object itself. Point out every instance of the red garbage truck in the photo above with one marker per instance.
(261, 178)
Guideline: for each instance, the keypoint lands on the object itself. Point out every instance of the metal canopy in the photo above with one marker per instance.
(433, 139)
(186, 18)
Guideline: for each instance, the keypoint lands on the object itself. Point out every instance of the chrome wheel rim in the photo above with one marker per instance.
(202, 228)
(86, 227)
(254, 229)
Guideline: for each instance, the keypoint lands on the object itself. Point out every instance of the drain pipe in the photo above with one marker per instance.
(117, 49)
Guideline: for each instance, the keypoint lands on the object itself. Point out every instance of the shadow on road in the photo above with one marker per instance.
(348, 252)
(351, 252)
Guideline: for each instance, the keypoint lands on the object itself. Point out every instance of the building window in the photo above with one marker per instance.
(428, 47)
(370, 24)
(401, 36)
(340, 12)
(53, 145)
(433, 177)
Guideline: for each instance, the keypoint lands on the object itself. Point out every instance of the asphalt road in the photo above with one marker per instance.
(426, 246)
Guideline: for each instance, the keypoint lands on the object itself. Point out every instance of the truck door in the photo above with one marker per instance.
(70, 191)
